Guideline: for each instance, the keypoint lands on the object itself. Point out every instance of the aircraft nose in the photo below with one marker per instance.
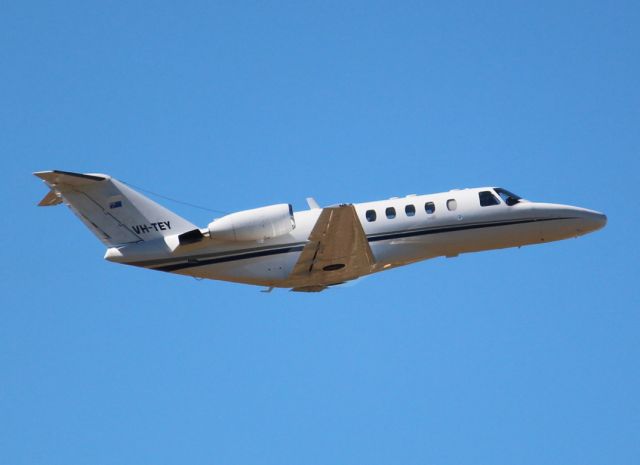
(564, 221)
(591, 220)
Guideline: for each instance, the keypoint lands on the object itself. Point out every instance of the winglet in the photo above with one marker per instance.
(313, 205)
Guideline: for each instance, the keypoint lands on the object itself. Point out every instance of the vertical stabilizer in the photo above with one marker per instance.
(114, 212)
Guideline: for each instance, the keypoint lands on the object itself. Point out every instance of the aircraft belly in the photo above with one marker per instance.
(265, 271)
(399, 251)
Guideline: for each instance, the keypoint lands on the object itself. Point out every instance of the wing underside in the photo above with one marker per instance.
(337, 251)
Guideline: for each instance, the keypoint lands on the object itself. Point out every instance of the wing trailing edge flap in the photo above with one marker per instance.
(337, 251)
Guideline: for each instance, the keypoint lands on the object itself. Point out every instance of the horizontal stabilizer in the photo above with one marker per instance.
(51, 199)
(71, 179)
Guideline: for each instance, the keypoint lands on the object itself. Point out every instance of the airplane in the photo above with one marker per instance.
(311, 250)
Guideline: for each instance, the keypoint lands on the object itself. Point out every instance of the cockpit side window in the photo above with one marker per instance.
(487, 199)
(509, 197)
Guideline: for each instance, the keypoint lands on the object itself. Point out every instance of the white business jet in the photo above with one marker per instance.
(313, 249)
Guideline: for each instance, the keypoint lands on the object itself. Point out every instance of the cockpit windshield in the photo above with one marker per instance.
(508, 197)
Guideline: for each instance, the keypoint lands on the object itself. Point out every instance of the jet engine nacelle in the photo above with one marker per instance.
(257, 224)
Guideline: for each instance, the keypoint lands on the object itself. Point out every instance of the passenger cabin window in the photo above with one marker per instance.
(430, 207)
(410, 210)
(390, 212)
(371, 215)
(452, 204)
(487, 199)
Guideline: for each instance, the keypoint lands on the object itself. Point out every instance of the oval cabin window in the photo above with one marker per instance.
(371, 215)
(430, 207)
(410, 210)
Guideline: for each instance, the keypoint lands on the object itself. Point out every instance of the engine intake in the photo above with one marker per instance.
(257, 224)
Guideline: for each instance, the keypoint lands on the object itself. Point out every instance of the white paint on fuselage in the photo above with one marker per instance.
(394, 241)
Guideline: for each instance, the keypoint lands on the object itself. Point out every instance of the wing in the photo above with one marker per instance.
(337, 251)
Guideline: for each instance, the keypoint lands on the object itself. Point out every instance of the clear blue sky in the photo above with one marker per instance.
(522, 356)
